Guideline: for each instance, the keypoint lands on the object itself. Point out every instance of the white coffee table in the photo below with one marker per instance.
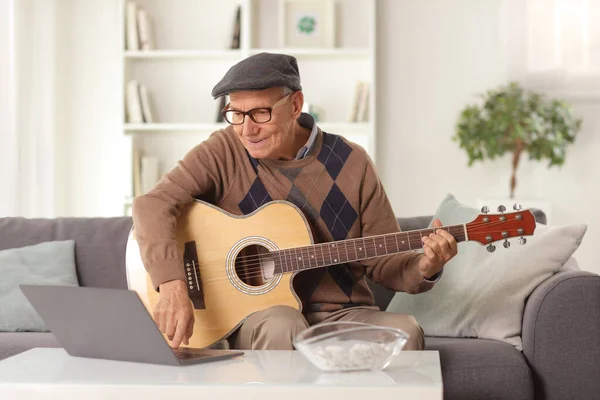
(262, 375)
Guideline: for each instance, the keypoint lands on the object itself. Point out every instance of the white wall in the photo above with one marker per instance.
(434, 57)
(89, 141)
(9, 160)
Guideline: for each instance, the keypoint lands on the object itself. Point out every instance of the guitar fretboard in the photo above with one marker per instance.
(343, 251)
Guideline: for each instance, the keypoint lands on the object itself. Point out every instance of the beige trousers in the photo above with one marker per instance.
(276, 327)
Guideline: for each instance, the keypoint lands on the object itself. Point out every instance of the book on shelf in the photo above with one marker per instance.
(146, 172)
(137, 103)
(147, 110)
(131, 30)
(145, 32)
(235, 41)
(138, 28)
(359, 111)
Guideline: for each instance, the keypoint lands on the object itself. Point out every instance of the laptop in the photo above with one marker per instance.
(111, 324)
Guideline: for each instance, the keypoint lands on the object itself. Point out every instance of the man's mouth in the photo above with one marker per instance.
(255, 141)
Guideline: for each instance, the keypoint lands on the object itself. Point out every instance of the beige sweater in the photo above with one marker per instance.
(335, 185)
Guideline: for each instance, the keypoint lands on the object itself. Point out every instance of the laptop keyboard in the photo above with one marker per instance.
(184, 354)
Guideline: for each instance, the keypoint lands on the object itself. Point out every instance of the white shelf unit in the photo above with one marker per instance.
(192, 52)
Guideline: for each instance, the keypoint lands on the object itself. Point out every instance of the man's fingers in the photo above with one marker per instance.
(449, 238)
(429, 253)
(443, 244)
(432, 242)
(161, 320)
(189, 333)
(170, 328)
(182, 326)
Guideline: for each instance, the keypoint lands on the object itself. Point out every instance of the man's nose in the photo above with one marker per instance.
(249, 126)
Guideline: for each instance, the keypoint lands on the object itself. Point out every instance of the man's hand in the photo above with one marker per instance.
(439, 248)
(174, 313)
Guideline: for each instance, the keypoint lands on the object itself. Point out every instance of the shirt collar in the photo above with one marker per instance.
(307, 121)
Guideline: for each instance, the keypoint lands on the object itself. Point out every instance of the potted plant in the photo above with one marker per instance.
(512, 119)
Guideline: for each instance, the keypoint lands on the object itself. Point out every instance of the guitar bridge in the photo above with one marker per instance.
(192, 271)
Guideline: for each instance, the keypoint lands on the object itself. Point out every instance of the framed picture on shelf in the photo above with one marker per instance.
(307, 23)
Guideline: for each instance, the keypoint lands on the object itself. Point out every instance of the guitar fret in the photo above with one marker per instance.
(346, 251)
(337, 248)
(410, 239)
(387, 238)
(313, 261)
(291, 256)
(303, 258)
(355, 252)
(380, 244)
(397, 244)
(374, 245)
(285, 260)
(297, 259)
(290, 259)
(280, 261)
(322, 254)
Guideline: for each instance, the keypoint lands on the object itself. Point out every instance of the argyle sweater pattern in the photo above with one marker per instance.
(335, 186)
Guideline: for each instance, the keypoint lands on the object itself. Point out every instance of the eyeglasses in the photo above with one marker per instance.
(260, 115)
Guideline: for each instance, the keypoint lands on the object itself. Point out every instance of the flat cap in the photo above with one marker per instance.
(258, 72)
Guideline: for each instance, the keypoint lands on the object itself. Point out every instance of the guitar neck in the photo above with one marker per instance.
(350, 250)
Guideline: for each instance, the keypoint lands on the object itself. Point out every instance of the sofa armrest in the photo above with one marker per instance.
(561, 336)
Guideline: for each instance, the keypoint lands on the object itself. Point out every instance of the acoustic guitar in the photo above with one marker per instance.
(237, 265)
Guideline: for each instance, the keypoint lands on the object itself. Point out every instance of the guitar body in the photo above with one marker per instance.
(226, 260)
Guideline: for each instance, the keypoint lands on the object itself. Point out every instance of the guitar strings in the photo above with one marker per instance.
(383, 236)
(257, 259)
(375, 237)
(288, 264)
(251, 271)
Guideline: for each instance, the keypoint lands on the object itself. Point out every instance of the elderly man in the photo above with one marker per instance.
(274, 151)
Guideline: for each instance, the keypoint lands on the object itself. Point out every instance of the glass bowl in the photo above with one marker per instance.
(350, 346)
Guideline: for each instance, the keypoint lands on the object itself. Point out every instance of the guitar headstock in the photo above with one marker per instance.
(489, 228)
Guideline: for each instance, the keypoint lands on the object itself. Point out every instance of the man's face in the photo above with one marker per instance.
(273, 139)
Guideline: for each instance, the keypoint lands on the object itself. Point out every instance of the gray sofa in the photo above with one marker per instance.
(561, 326)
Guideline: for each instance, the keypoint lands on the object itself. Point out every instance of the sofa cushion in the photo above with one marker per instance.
(48, 263)
(482, 369)
(12, 343)
(99, 249)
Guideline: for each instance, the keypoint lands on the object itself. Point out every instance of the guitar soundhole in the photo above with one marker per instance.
(254, 265)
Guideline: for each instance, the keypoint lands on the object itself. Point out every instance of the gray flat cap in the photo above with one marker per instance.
(258, 72)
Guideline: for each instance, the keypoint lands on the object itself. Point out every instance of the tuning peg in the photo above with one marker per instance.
(491, 248)
(517, 207)
(522, 240)
(501, 208)
(506, 244)
(485, 209)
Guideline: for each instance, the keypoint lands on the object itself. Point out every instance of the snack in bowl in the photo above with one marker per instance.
(350, 346)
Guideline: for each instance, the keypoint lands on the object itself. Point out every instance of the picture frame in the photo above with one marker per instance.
(307, 23)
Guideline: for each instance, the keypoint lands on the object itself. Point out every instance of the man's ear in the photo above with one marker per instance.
(297, 103)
